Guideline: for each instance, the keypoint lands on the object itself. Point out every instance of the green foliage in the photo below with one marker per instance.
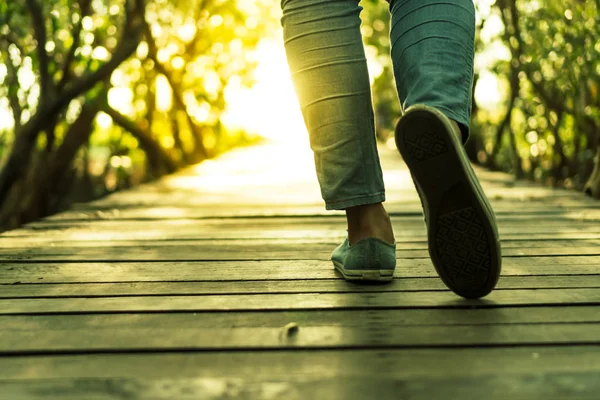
(556, 61)
(376, 36)
(545, 123)
(97, 95)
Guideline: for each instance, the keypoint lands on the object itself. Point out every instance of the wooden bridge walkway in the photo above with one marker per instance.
(215, 284)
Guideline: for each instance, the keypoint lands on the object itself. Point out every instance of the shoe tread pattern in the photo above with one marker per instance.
(463, 247)
(422, 146)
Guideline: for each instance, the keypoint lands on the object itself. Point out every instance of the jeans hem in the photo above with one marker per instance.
(357, 201)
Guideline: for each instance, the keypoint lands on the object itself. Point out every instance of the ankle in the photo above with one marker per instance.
(370, 220)
(365, 215)
(459, 131)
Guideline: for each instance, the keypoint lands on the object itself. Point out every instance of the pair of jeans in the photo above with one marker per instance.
(432, 56)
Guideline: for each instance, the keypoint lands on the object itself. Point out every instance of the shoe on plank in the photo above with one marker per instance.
(464, 244)
(369, 259)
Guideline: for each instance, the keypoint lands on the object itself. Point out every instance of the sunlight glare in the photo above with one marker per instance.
(164, 95)
(25, 75)
(277, 171)
(488, 90)
(121, 98)
(7, 121)
(270, 107)
(187, 31)
(103, 120)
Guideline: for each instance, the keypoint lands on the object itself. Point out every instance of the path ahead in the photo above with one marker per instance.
(215, 283)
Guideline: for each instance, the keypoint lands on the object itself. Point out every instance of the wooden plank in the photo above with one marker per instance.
(252, 246)
(155, 195)
(324, 329)
(267, 250)
(333, 221)
(168, 208)
(278, 225)
(372, 336)
(126, 236)
(34, 290)
(385, 300)
(37, 272)
(528, 386)
(392, 318)
(169, 193)
(297, 364)
(337, 218)
(89, 236)
(326, 228)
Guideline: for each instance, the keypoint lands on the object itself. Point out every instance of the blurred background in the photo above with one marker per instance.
(100, 95)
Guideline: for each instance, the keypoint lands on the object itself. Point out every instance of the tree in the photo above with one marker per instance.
(548, 127)
(64, 64)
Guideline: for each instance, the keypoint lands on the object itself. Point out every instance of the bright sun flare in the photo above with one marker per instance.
(270, 107)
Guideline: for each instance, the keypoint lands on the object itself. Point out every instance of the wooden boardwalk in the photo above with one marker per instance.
(215, 284)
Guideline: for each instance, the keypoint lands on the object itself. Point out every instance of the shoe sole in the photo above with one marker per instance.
(375, 275)
(463, 238)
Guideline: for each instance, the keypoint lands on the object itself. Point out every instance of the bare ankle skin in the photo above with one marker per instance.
(369, 221)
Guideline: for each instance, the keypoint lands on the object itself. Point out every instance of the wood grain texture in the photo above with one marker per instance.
(184, 288)
(281, 286)
(267, 270)
(285, 365)
(265, 250)
(393, 318)
(529, 386)
(241, 302)
(373, 336)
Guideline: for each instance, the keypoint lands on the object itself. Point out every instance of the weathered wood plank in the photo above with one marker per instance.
(507, 224)
(89, 236)
(239, 247)
(289, 365)
(85, 333)
(170, 208)
(277, 286)
(529, 386)
(378, 334)
(265, 250)
(276, 319)
(170, 192)
(11, 273)
(155, 195)
(385, 300)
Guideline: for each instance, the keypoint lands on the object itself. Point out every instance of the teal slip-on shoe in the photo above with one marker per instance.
(369, 259)
(464, 245)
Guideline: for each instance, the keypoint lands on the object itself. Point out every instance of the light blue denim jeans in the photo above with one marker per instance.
(432, 55)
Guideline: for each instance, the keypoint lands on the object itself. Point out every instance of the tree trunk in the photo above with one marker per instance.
(185, 158)
(153, 150)
(200, 152)
(77, 135)
(26, 137)
(517, 158)
(592, 186)
(34, 194)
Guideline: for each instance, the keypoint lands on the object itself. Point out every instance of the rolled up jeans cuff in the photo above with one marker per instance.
(356, 201)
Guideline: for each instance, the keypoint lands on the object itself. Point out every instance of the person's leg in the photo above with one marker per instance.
(329, 69)
(432, 52)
